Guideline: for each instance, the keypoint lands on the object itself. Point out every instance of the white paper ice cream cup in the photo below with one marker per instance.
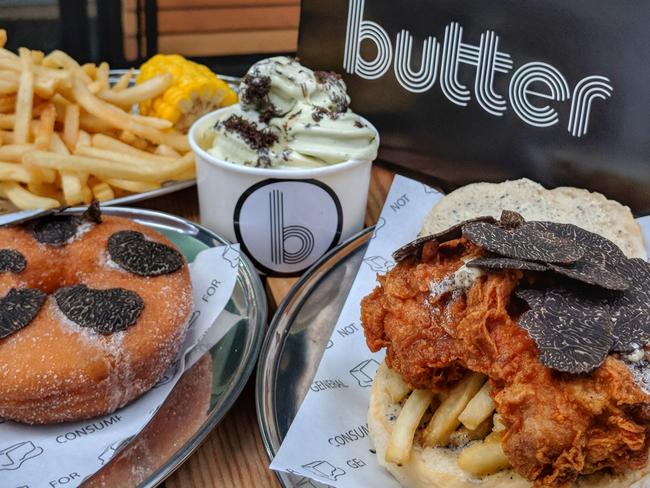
(284, 219)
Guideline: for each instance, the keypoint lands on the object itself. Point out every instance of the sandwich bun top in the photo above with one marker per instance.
(566, 205)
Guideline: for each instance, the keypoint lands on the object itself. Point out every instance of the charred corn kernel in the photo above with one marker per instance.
(195, 91)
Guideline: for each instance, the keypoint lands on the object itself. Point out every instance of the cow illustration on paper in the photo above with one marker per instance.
(231, 255)
(112, 449)
(324, 470)
(378, 264)
(13, 457)
(378, 226)
(365, 372)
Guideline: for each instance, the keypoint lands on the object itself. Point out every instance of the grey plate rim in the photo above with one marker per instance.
(249, 354)
(277, 332)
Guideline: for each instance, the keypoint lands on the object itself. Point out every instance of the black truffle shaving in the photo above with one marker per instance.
(414, 248)
(529, 242)
(572, 330)
(104, 311)
(510, 219)
(18, 308)
(498, 262)
(134, 253)
(57, 229)
(631, 309)
(93, 213)
(11, 261)
(592, 274)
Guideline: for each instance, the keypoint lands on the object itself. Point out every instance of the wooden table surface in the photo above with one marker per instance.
(233, 454)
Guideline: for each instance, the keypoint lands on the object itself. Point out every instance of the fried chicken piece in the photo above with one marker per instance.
(558, 425)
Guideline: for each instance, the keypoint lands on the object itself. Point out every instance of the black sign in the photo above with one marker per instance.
(557, 91)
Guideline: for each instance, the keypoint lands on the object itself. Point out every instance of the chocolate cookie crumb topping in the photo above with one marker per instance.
(104, 311)
(256, 138)
(18, 308)
(134, 253)
(11, 261)
(256, 89)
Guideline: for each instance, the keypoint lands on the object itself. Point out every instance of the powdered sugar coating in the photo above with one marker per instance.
(53, 370)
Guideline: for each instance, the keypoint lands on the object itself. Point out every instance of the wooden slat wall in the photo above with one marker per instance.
(218, 27)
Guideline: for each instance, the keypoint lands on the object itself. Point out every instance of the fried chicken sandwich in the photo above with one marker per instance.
(516, 332)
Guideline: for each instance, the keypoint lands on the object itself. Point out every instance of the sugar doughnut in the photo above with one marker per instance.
(103, 334)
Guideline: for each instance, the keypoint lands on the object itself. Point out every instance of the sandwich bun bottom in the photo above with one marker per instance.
(437, 467)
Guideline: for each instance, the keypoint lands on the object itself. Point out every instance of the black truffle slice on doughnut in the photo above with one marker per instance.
(414, 248)
(11, 261)
(18, 308)
(572, 330)
(55, 230)
(498, 262)
(134, 253)
(631, 309)
(529, 242)
(104, 311)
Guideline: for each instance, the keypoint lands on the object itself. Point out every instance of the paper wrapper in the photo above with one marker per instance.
(66, 454)
(328, 440)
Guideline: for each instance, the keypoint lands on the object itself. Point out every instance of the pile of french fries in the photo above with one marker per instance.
(67, 137)
(464, 416)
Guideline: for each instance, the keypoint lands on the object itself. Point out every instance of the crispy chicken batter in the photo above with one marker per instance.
(558, 425)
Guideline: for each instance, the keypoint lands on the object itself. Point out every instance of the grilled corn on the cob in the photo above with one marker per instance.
(195, 90)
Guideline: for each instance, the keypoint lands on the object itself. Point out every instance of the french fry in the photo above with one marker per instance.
(165, 150)
(14, 152)
(16, 172)
(90, 69)
(131, 139)
(445, 419)
(45, 127)
(397, 388)
(484, 457)
(138, 93)
(102, 141)
(478, 409)
(84, 139)
(90, 123)
(24, 99)
(122, 120)
(24, 199)
(101, 79)
(7, 121)
(8, 86)
(71, 183)
(71, 126)
(109, 169)
(154, 122)
(401, 439)
(123, 82)
(37, 56)
(3, 38)
(102, 191)
(132, 186)
(59, 59)
(463, 435)
(7, 103)
(144, 159)
(498, 423)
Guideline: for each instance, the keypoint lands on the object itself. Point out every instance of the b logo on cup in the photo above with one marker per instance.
(286, 225)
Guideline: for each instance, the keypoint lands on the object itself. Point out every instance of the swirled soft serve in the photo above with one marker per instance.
(291, 116)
